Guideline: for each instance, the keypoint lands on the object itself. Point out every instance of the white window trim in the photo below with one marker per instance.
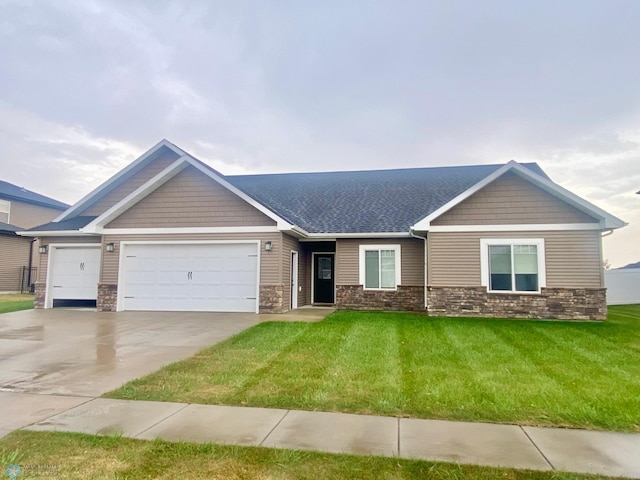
(5, 207)
(484, 262)
(362, 276)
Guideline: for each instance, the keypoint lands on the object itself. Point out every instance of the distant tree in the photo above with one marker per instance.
(606, 264)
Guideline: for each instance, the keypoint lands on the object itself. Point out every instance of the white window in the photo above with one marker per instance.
(5, 208)
(380, 267)
(513, 265)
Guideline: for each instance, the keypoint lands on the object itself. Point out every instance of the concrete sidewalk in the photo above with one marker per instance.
(604, 453)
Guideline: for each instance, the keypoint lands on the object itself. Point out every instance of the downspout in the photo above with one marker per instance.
(30, 262)
(425, 263)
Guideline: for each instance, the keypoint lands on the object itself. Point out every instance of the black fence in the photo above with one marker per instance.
(28, 279)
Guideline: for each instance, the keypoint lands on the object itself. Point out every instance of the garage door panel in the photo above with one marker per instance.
(194, 277)
(74, 273)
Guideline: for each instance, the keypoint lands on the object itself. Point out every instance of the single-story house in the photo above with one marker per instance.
(19, 209)
(169, 232)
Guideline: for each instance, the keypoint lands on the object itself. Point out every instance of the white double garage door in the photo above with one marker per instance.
(210, 277)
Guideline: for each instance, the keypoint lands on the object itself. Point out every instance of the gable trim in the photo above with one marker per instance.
(94, 194)
(606, 220)
(97, 225)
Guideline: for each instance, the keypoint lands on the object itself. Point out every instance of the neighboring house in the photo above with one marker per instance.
(170, 233)
(20, 209)
(15, 253)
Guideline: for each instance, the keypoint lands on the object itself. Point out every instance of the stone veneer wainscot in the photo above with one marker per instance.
(552, 303)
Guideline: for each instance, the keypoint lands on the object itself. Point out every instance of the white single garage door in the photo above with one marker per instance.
(220, 277)
(74, 272)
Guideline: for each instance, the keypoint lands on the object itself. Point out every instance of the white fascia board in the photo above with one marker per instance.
(182, 230)
(524, 227)
(122, 173)
(56, 233)
(607, 221)
(138, 194)
(281, 222)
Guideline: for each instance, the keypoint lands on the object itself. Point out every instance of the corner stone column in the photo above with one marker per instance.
(107, 297)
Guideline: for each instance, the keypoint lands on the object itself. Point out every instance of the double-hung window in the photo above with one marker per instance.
(5, 209)
(513, 265)
(380, 267)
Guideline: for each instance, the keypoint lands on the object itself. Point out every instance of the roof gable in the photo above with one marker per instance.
(190, 199)
(97, 225)
(606, 220)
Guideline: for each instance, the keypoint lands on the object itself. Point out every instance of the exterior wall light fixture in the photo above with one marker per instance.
(268, 246)
(110, 247)
(42, 249)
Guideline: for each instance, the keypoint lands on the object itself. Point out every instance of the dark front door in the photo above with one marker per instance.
(323, 283)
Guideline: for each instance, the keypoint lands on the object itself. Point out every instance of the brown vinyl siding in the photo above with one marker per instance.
(270, 264)
(191, 199)
(411, 259)
(511, 200)
(127, 186)
(14, 254)
(43, 261)
(573, 258)
(26, 215)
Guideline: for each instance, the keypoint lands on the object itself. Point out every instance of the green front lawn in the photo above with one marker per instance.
(574, 374)
(13, 303)
(72, 455)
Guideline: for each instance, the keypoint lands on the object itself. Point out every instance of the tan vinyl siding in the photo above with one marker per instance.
(14, 254)
(290, 244)
(129, 185)
(511, 200)
(43, 261)
(573, 258)
(26, 215)
(270, 264)
(191, 199)
(411, 258)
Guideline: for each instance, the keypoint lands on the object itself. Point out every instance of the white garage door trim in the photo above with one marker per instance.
(126, 243)
(51, 265)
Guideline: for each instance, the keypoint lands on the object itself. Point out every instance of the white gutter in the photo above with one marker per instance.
(56, 233)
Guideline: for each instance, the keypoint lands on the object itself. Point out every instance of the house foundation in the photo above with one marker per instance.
(355, 297)
(552, 303)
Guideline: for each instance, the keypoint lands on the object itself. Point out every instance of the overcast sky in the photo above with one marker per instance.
(277, 86)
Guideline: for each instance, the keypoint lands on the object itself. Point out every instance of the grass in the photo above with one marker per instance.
(72, 455)
(15, 302)
(570, 374)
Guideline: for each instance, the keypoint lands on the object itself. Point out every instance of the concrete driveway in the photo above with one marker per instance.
(85, 353)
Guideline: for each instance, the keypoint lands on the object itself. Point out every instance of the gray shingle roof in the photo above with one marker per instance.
(13, 192)
(364, 201)
(73, 223)
(372, 201)
(8, 228)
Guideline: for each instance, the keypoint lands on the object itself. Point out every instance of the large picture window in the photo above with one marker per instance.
(380, 267)
(513, 265)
